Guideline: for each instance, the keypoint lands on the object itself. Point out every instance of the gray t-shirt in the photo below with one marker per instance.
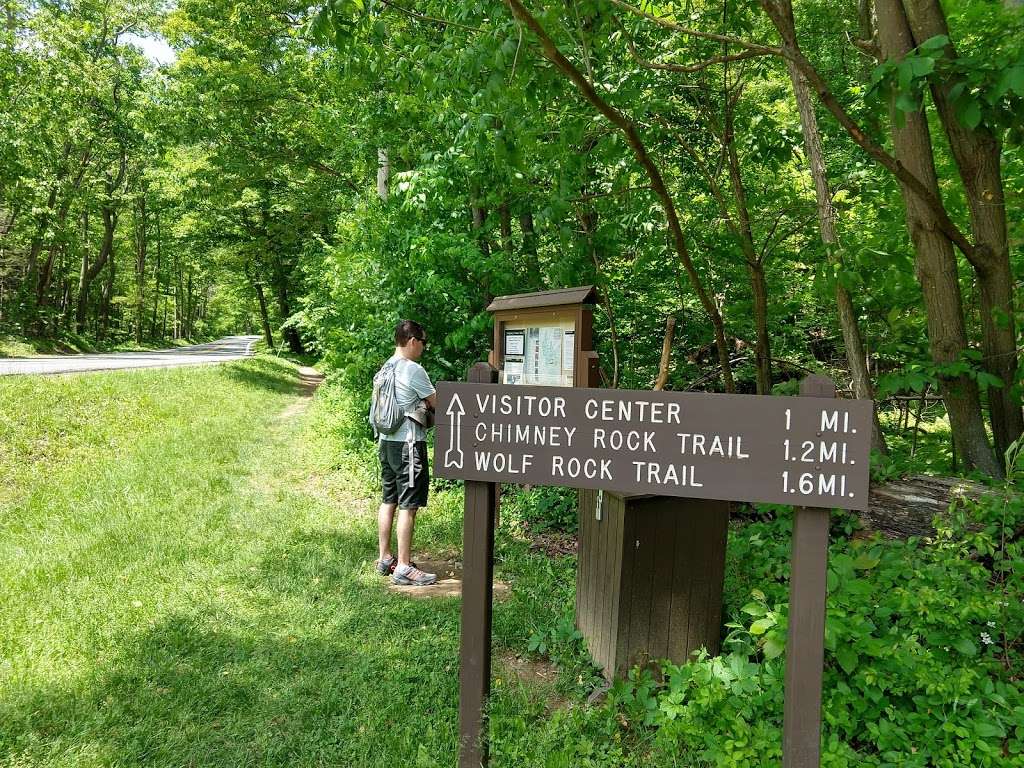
(411, 385)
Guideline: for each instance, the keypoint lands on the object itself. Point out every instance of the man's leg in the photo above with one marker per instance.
(406, 525)
(385, 520)
(412, 496)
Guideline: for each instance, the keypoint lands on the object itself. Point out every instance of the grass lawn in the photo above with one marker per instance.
(185, 578)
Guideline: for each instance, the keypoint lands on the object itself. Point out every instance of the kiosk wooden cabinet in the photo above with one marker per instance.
(649, 577)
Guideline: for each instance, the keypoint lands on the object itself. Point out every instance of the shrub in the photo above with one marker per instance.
(546, 508)
(922, 662)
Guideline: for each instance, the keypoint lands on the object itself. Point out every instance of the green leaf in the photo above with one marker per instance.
(987, 380)
(989, 730)
(1015, 79)
(904, 74)
(865, 561)
(754, 609)
(933, 44)
(970, 114)
(847, 658)
(922, 65)
(774, 645)
(907, 102)
(761, 626)
(966, 646)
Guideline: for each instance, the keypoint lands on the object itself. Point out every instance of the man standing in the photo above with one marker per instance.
(405, 474)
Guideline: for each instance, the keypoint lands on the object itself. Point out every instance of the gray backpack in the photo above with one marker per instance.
(385, 415)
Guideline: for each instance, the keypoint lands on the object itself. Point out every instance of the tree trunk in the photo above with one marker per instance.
(46, 273)
(479, 221)
(204, 302)
(156, 280)
(187, 319)
(268, 334)
(755, 266)
(140, 268)
(383, 174)
(83, 287)
(36, 248)
(505, 227)
(530, 247)
(856, 358)
(291, 333)
(977, 152)
(588, 223)
(910, 506)
(664, 366)
(45, 277)
(762, 344)
(89, 272)
(935, 261)
(65, 302)
(108, 295)
(38, 240)
(178, 287)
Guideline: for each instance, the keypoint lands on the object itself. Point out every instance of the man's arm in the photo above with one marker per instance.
(422, 386)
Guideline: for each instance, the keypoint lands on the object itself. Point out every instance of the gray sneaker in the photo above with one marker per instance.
(411, 576)
(386, 567)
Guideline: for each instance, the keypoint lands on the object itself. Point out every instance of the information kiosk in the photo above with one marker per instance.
(650, 569)
(545, 338)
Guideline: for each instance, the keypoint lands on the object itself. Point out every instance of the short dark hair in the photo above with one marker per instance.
(408, 329)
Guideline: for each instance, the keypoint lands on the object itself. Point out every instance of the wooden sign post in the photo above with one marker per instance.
(805, 634)
(810, 451)
(477, 601)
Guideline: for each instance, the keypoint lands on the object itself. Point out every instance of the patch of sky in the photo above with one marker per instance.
(153, 47)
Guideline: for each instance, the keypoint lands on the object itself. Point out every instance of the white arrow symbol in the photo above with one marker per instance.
(453, 456)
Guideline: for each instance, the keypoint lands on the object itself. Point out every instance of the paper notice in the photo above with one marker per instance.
(568, 350)
(515, 342)
(513, 372)
(549, 367)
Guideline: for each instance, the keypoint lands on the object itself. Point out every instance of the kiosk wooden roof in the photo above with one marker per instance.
(585, 294)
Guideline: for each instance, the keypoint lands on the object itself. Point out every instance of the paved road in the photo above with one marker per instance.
(220, 351)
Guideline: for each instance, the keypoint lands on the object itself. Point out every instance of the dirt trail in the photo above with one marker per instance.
(309, 380)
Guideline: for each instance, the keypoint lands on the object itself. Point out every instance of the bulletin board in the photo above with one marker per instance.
(539, 353)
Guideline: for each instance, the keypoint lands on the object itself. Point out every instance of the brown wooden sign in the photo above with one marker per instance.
(806, 451)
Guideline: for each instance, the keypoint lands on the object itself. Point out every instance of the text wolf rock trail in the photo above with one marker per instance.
(807, 450)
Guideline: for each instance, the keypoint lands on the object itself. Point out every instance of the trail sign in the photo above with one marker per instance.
(806, 451)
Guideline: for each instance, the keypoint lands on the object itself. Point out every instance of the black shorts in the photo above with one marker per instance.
(394, 474)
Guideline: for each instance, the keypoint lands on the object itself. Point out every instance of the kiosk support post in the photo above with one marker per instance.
(805, 639)
(477, 589)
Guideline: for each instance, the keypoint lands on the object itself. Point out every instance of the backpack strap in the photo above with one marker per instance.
(413, 456)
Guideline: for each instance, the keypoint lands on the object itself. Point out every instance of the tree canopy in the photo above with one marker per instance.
(797, 185)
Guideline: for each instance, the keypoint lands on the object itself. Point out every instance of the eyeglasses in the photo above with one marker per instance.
(421, 341)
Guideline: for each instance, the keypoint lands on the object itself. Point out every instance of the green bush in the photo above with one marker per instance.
(922, 662)
(922, 659)
(549, 509)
